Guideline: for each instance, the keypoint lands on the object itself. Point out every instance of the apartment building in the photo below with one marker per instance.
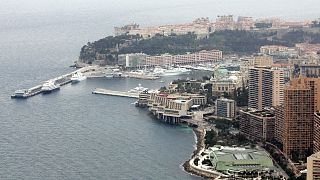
(257, 125)
(313, 167)
(225, 108)
(316, 132)
(310, 70)
(263, 61)
(299, 108)
(189, 58)
(265, 87)
(279, 123)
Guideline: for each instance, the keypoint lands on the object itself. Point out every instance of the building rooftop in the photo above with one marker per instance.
(263, 113)
(234, 158)
(316, 155)
(225, 99)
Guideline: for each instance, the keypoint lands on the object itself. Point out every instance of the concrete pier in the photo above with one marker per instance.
(115, 93)
(61, 80)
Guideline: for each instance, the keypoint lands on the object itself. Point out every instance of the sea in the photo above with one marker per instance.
(72, 133)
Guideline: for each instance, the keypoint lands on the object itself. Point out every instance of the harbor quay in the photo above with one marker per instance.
(115, 93)
(51, 84)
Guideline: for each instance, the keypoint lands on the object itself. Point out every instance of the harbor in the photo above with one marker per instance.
(98, 72)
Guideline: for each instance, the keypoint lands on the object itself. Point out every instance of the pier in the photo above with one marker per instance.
(60, 80)
(115, 93)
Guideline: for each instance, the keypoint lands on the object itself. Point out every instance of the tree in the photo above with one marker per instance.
(163, 89)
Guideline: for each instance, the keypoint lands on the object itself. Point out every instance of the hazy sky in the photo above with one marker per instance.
(284, 8)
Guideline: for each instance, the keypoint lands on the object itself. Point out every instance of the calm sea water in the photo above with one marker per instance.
(73, 134)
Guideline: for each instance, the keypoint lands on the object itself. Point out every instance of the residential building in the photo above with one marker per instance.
(225, 108)
(310, 70)
(189, 58)
(276, 50)
(245, 23)
(279, 123)
(257, 125)
(316, 132)
(299, 107)
(305, 48)
(313, 167)
(265, 87)
(263, 61)
(225, 22)
(288, 71)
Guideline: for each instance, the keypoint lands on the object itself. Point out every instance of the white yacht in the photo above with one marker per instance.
(143, 74)
(109, 73)
(49, 86)
(170, 72)
(77, 77)
(138, 89)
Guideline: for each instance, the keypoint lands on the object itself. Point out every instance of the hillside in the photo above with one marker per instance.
(243, 42)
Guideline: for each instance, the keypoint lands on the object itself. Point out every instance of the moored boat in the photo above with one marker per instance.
(49, 86)
(77, 77)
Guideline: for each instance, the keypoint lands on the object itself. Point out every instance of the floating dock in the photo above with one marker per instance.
(61, 80)
(115, 93)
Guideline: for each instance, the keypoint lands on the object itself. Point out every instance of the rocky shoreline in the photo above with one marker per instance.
(200, 135)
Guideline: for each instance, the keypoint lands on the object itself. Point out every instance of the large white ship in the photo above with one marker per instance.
(170, 72)
(49, 86)
(143, 74)
(77, 77)
(138, 89)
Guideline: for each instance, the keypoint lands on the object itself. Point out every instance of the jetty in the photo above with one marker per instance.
(115, 93)
(60, 80)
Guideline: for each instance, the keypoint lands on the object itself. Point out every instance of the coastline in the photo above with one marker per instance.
(200, 135)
